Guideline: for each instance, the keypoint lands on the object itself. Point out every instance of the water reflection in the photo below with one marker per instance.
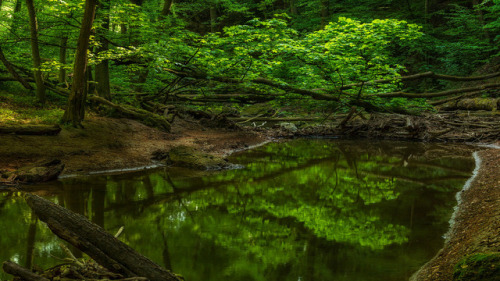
(300, 210)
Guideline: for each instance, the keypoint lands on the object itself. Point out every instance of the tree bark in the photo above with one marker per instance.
(102, 68)
(213, 17)
(62, 60)
(324, 12)
(167, 8)
(293, 7)
(13, 72)
(75, 110)
(35, 52)
(25, 274)
(103, 247)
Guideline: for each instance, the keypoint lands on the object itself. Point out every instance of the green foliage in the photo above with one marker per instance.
(483, 266)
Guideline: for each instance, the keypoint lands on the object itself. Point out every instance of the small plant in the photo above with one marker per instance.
(480, 267)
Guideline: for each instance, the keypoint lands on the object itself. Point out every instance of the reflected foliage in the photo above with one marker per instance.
(304, 209)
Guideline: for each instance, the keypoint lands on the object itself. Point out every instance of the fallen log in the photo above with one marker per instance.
(21, 272)
(145, 117)
(50, 130)
(489, 104)
(101, 246)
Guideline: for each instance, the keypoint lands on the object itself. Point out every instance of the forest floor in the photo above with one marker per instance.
(113, 144)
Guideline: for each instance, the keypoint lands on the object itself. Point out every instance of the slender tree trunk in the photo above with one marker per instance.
(426, 11)
(475, 3)
(293, 7)
(213, 17)
(102, 69)
(324, 13)
(62, 60)
(35, 52)
(1, 5)
(75, 111)
(167, 8)
(19, 4)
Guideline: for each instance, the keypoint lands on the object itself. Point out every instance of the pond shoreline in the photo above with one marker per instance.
(476, 223)
(118, 144)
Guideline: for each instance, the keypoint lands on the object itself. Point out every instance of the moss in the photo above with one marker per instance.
(480, 267)
(183, 156)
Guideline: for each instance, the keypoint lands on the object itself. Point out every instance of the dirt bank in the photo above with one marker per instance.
(476, 227)
(107, 144)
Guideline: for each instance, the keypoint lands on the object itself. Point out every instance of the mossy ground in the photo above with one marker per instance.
(478, 267)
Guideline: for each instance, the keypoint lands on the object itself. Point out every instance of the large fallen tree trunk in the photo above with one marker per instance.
(101, 246)
(141, 115)
(30, 129)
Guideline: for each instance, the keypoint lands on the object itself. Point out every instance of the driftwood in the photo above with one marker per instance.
(141, 115)
(103, 247)
(30, 129)
(19, 271)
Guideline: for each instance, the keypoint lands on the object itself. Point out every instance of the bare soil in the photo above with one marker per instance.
(107, 144)
(476, 228)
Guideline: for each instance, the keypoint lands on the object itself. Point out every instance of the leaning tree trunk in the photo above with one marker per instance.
(75, 111)
(35, 52)
(103, 247)
(12, 70)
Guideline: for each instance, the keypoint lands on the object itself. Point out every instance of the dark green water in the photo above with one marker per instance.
(301, 210)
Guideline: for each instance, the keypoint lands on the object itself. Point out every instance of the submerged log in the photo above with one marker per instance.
(21, 272)
(38, 172)
(103, 247)
(30, 129)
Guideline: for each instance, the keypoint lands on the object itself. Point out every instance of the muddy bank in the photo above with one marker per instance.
(476, 224)
(115, 144)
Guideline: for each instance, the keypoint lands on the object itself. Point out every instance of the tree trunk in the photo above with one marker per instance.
(213, 17)
(293, 7)
(35, 52)
(324, 13)
(103, 247)
(75, 111)
(62, 60)
(167, 8)
(102, 69)
(12, 71)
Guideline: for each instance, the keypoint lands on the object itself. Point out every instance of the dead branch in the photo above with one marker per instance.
(428, 74)
(440, 94)
(21, 272)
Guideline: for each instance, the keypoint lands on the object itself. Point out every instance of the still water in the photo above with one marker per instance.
(301, 210)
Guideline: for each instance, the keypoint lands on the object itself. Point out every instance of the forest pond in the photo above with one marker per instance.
(303, 210)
